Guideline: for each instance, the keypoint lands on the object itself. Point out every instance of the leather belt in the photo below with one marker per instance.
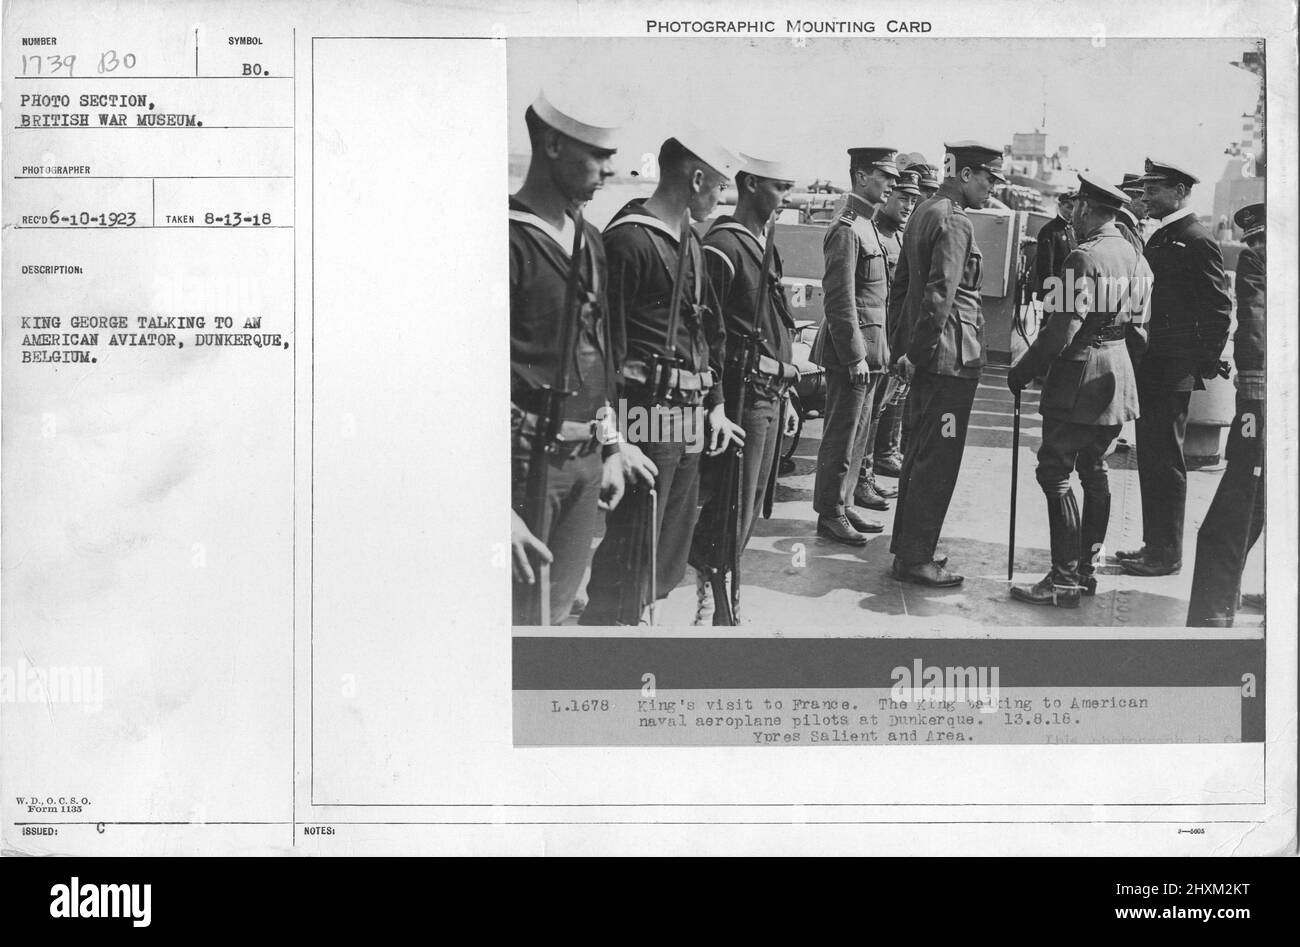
(573, 438)
(679, 380)
(1109, 334)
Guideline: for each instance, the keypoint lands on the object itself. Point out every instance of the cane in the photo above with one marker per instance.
(1015, 477)
(654, 552)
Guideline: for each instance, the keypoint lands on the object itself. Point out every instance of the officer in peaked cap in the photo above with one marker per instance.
(927, 178)
(851, 343)
(573, 141)
(1056, 240)
(671, 380)
(1236, 515)
(937, 314)
(882, 444)
(1090, 388)
(1190, 317)
(1127, 221)
(886, 453)
(753, 308)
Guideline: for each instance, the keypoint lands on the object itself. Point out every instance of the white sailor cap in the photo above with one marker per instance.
(707, 148)
(591, 117)
(764, 168)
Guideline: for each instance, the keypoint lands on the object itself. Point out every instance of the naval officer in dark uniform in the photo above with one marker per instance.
(734, 250)
(642, 243)
(1190, 317)
(1090, 390)
(572, 148)
(939, 322)
(1056, 240)
(851, 344)
(1236, 516)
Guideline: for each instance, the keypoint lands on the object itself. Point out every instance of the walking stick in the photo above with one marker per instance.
(1015, 477)
(654, 552)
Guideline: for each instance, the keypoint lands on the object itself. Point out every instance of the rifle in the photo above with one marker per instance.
(734, 528)
(537, 512)
(1015, 475)
(661, 367)
(661, 371)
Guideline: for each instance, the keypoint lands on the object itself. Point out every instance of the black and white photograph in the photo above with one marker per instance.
(881, 398)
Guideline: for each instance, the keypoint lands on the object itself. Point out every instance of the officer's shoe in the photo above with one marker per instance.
(890, 466)
(1087, 583)
(704, 604)
(1050, 591)
(861, 523)
(866, 495)
(1124, 555)
(839, 529)
(1152, 565)
(926, 573)
(887, 492)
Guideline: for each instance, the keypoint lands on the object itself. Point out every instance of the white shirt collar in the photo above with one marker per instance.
(563, 236)
(1176, 215)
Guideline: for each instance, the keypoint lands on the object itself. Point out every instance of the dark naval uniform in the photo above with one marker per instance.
(856, 286)
(642, 254)
(539, 268)
(1236, 516)
(1056, 240)
(1089, 392)
(1190, 317)
(940, 328)
(733, 260)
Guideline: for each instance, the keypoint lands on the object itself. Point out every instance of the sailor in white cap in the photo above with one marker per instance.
(571, 152)
(670, 359)
(754, 310)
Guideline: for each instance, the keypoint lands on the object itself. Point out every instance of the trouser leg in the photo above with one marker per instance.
(875, 405)
(1095, 480)
(941, 407)
(844, 406)
(1230, 528)
(862, 438)
(620, 575)
(1162, 469)
(889, 434)
(573, 488)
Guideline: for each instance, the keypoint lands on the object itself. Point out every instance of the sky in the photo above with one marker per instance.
(1113, 105)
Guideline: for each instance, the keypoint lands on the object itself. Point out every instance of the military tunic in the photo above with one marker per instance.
(938, 322)
(733, 259)
(1056, 240)
(539, 268)
(856, 286)
(1090, 388)
(642, 254)
(1190, 317)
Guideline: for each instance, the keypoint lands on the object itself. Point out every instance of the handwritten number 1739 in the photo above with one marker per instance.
(109, 62)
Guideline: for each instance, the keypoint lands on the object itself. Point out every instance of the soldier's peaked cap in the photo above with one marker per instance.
(978, 154)
(709, 150)
(1132, 182)
(1162, 172)
(765, 168)
(882, 158)
(586, 116)
(927, 174)
(1098, 191)
(1250, 219)
(909, 183)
